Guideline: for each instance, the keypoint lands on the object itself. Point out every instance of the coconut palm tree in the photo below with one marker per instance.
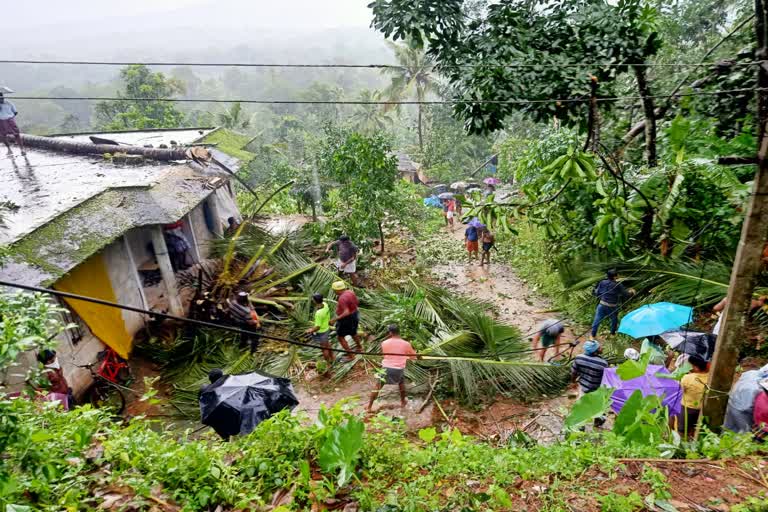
(370, 118)
(414, 77)
(234, 117)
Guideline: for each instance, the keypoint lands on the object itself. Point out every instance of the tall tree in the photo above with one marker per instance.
(366, 172)
(142, 105)
(234, 118)
(524, 50)
(370, 118)
(414, 77)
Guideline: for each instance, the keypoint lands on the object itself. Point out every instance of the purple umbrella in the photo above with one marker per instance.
(648, 384)
(475, 223)
(491, 181)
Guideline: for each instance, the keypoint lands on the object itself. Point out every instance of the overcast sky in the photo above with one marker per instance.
(258, 13)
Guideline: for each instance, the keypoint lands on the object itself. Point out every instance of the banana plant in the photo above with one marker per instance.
(574, 165)
(496, 216)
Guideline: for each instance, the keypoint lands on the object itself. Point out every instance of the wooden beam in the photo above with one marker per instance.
(166, 271)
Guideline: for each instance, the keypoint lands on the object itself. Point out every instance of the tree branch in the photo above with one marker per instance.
(737, 160)
(638, 128)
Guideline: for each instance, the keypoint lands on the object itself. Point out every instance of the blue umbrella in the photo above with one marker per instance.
(653, 319)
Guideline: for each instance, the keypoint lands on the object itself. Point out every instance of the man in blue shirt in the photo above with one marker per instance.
(8, 125)
(611, 294)
(470, 241)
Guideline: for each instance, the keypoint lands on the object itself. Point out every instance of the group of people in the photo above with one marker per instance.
(748, 401)
(474, 236)
(396, 351)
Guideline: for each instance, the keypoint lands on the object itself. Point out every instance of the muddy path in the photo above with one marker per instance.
(517, 304)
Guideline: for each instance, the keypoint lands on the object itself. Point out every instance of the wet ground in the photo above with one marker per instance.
(315, 391)
(517, 305)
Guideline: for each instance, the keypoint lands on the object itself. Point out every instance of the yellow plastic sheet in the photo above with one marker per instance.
(91, 279)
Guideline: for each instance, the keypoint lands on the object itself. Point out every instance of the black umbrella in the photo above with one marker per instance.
(235, 404)
(690, 342)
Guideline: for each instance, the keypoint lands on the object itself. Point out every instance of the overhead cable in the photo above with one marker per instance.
(584, 99)
(543, 64)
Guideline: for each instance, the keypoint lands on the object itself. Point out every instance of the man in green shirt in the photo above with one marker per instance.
(322, 327)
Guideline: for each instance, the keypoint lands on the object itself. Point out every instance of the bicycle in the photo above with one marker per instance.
(106, 390)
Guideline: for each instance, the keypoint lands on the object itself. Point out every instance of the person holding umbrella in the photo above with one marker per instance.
(471, 236)
(490, 186)
(760, 413)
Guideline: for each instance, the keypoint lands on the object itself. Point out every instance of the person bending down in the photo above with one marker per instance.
(396, 352)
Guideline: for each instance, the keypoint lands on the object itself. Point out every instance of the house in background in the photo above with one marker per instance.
(409, 170)
(105, 215)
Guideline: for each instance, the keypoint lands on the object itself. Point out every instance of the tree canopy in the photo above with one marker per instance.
(142, 107)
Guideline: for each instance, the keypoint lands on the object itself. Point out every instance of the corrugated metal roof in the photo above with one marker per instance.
(71, 206)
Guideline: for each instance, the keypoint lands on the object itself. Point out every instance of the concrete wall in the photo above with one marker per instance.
(70, 355)
(124, 279)
(203, 235)
(226, 207)
(227, 204)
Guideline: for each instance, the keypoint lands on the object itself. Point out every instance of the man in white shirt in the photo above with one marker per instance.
(8, 126)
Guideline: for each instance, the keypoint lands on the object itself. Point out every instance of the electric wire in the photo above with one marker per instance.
(371, 66)
(212, 325)
(585, 99)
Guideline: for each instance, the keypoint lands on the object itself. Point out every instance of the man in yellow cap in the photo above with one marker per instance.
(347, 317)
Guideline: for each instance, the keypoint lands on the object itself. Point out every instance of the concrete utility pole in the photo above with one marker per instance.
(748, 261)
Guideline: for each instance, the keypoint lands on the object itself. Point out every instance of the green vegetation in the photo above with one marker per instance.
(231, 143)
(139, 82)
(57, 461)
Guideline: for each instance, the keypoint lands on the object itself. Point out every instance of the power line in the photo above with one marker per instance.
(369, 66)
(238, 330)
(382, 102)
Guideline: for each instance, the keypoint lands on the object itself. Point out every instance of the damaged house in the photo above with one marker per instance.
(114, 216)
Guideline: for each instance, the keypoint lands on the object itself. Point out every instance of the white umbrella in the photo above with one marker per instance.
(459, 184)
(445, 195)
(5, 90)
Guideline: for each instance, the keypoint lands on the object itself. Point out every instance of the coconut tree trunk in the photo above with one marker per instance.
(421, 135)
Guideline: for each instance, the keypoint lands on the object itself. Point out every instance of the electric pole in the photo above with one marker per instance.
(748, 262)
